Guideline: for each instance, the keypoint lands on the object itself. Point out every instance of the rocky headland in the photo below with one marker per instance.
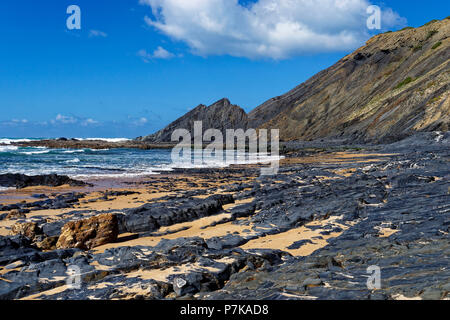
(394, 86)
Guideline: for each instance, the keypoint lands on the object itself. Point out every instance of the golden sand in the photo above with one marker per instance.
(283, 240)
(50, 292)
(198, 228)
(402, 297)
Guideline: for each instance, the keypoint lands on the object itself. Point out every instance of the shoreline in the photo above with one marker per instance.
(236, 228)
(73, 143)
(197, 181)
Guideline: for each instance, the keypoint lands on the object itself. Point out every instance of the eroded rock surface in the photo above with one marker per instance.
(308, 232)
(89, 233)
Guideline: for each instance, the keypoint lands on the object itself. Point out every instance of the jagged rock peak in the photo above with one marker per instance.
(220, 115)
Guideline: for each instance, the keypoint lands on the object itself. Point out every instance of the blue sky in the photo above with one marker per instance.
(136, 65)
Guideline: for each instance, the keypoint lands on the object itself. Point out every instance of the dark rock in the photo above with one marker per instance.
(225, 242)
(243, 210)
(221, 115)
(299, 244)
(21, 181)
(13, 248)
(152, 216)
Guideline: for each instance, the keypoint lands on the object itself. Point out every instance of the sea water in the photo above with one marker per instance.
(103, 163)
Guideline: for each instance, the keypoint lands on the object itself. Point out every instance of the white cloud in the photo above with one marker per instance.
(390, 18)
(146, 57)
(64, 119)
(88, 122)
(68, 120)
(14, 122)
(97, 33)
(74, 121)
(140, 122)
(159, 53)
(19, 120)
(162, 53)
(275, 29)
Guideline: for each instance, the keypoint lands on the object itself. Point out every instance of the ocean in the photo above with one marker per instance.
(107, 163)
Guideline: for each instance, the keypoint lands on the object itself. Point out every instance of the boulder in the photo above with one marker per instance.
(13, 248)
(15, 214)
(52, 180)
(27, 229)
(89, 233)
(152, 216)
(46, 243)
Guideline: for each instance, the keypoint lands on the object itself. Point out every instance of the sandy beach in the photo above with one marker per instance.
(155, 187)
(219, 223)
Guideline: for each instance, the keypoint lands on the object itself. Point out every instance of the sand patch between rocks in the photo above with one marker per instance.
(283, 240)
(198, 228)
(402, 297)
(50, 292)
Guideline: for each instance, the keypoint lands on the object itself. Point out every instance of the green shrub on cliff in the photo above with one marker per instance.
(404, 83)
(437, 44)
(431, 22)
(430, 34)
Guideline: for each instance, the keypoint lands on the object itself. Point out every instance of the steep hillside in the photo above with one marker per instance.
(395, 85)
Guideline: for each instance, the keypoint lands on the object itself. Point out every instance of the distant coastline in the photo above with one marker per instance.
(85, 143)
